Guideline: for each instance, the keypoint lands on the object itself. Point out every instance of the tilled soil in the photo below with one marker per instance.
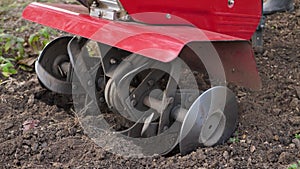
(265, 137)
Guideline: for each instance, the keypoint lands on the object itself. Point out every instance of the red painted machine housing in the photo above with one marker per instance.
(227, 29)
(160, 42)
(239, 20)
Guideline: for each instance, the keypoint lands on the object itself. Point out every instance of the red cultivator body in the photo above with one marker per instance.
(145, 72)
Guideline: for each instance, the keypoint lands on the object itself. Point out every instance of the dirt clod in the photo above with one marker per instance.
(252, 149)
(284, 156)
(297, 142)
(297, 88)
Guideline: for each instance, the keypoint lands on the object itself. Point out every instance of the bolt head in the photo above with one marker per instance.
(133, 102)
(112, 61)
(101, 99)
(74, 87)
(230, 3)
(150, 82)
(90, 83)
(168, 16)
(165, 128)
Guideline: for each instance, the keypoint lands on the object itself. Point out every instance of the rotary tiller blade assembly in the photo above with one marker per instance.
(145, 71)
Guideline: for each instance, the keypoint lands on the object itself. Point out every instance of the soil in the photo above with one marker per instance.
(38, 128)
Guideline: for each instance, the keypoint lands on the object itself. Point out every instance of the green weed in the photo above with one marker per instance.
(13, 47)
(38, 40)
(12, 44)
(295, 166)
(235, 138)
(7, 67)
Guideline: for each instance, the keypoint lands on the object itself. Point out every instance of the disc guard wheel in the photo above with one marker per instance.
(53, 64)
(211, 119)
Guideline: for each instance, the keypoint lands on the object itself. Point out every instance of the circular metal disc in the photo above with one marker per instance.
(210, 120)
(213, 128)
(55, 51)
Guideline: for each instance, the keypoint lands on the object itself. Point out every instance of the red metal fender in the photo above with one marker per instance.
(163, 43)
(167, 41)
(239, 20)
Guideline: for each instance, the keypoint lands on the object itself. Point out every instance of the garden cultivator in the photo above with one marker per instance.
(162, 68)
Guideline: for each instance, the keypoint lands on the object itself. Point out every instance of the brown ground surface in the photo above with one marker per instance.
(268, 121)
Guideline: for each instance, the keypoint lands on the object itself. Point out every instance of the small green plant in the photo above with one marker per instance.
(7, 67)
(12, 44)
(297, 136)
(12, 48)
(38, 40)
(295, 166)
(235, 138)
(22, 29)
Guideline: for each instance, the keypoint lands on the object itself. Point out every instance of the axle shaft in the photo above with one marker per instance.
(177, 113)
